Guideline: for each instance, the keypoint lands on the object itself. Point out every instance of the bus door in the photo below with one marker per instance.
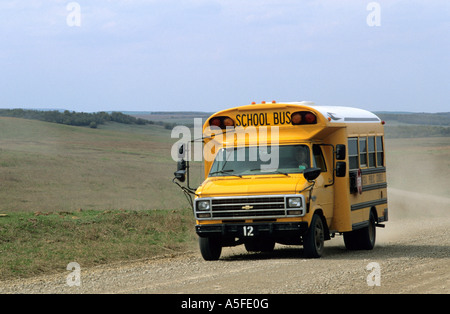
(324, 188)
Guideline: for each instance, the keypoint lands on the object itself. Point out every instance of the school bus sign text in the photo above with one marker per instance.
(263, 118)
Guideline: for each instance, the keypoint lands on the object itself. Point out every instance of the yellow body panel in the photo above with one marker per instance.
(332, 196)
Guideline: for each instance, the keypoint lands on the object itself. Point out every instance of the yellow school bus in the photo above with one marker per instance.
(291, 173)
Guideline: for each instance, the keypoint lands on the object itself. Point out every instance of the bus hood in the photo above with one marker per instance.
(251, 185)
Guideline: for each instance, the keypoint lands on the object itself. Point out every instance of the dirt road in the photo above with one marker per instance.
(412, 255)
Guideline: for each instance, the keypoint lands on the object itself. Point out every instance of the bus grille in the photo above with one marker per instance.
(248, 207)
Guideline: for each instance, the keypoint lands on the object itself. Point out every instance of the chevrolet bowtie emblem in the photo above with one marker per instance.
(247, 207)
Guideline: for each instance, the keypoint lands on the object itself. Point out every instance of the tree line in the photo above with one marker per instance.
(421, 124)
(441, 119)
(73, 118)
(412, 125)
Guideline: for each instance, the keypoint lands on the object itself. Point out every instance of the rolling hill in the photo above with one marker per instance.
(53, 167)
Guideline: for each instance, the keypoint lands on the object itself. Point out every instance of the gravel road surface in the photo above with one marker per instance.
(412, 255)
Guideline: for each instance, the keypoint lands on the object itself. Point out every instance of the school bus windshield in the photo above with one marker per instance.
(260, 160)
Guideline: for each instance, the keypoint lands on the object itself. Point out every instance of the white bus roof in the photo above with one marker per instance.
(340, 114)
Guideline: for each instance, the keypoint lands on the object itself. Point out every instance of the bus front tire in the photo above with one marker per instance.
(313, 241)
(210, 247)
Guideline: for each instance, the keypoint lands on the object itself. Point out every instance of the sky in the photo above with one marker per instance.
(209, 55)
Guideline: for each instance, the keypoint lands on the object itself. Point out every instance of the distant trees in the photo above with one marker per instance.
(424, 118)
(73, 118)
(409, 125)
(405, 125)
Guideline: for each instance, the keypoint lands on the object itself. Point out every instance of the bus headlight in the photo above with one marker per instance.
(203, 205)
(294, 202)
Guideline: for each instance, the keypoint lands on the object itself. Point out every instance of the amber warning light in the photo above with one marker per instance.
(221, 122)
(303, 117)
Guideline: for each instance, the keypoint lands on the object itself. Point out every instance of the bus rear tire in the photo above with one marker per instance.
(313, 241)
(210, 247)
(362, 239)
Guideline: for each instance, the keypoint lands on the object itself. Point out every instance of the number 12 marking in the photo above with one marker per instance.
(248, 231)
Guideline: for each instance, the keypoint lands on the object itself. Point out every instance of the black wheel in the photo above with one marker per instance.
(351, 240)
(362, 239)
(313, 241)
(368, 234)
(211, 248)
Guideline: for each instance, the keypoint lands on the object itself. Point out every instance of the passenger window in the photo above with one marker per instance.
(319, 161)
(363, 152)
(380, 154)
(353, 153)
(371, 150)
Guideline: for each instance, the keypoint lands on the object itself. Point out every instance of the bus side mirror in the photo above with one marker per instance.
(180, 174)
(340, 152)
(311, 173)
(181, 151)
(181, 165)
(341, 169)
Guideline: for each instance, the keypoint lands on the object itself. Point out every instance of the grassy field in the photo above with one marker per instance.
(37, 243)
(93, 196)
(53, 167)
(87, 195)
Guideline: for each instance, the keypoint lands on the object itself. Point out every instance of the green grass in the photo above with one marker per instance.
(106, 194)
(38, 243)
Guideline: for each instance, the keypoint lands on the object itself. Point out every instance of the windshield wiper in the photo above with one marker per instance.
(226, 172)
(281, 172)
(275, 171)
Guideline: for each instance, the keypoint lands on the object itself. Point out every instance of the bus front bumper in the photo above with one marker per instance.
(240, 230)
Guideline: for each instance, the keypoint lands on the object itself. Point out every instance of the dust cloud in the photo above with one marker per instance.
(418, 187)
(405, 204)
